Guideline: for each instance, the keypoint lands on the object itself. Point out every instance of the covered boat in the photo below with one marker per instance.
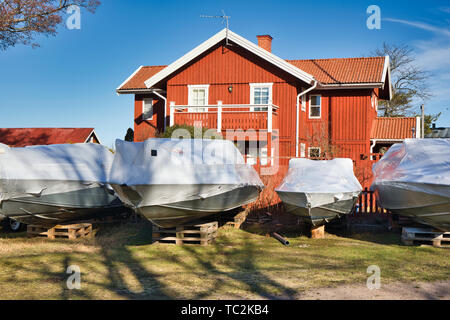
(413, 179)
(48, 185)
(319, 191)
(174, 181)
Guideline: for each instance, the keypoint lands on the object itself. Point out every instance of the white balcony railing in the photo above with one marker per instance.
(223, 116)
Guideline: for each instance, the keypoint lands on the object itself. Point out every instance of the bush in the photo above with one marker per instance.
(170, 130)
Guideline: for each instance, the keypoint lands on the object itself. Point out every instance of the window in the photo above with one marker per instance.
(198, 96)
(251, 152)
(264, 159)
(315, 110)
(314, 152)
(260, 94)
(302, 150)
(147, 109)
(304, 102)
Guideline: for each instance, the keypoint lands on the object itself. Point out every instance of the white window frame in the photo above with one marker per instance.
(144, 113)
(253, 86)
(190, 96)
(302, 150)
(320, 106)
(309, 151)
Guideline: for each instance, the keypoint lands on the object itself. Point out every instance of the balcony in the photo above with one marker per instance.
(223, 117)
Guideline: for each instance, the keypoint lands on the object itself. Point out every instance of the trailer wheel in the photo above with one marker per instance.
(14, 225)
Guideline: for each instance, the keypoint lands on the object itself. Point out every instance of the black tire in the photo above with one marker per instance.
(15, 226)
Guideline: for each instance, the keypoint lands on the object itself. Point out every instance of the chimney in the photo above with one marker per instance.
(265, 42)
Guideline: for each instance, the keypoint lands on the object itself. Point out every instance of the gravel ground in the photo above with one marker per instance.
(396, 291)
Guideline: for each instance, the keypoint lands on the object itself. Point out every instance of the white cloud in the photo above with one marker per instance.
(433, 55)
(421, 25)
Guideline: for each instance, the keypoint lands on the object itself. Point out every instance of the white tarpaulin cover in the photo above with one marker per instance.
(415, 161)
(181, 162)
(327, 176)
(45, 169)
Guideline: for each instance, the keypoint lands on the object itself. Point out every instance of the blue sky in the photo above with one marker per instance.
(70, 80)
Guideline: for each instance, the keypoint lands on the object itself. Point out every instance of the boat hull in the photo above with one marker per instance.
(425, 203)
(325, 209)
(62, 207)
(146, 200)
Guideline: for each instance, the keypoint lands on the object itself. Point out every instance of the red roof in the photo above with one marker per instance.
(22, 137)
(393, 128)
(327, 71)
(142, 75)
(343, 70)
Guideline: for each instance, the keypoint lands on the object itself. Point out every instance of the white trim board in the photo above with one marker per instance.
(92, 134)
(387, 72)
(246, 44)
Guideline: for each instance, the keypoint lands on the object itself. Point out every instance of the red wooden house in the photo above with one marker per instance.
(297, 108)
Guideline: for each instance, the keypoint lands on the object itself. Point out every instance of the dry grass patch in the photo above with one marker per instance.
(119, 262)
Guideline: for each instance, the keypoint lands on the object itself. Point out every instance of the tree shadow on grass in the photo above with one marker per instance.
(28, 271)
(244, 272)
(117, 253)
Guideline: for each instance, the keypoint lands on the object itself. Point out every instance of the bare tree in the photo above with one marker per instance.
(409, 82)
(22, 20)
(319, 137)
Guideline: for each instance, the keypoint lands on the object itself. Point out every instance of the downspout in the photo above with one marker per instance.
(298, 115)
(165, 107)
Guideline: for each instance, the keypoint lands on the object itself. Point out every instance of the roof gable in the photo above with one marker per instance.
(235, 38)
(368, 72)
(21, 137)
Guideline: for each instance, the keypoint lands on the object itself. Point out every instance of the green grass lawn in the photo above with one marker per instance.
(120, 263)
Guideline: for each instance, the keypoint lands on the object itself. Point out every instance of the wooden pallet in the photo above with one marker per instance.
(415, 236)
(202, 234)
(71, 232)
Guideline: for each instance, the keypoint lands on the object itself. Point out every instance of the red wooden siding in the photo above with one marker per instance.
(144, 129)
(221, 68)
(346, 117)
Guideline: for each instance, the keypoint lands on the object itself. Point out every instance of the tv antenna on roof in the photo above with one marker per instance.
(225, 19)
